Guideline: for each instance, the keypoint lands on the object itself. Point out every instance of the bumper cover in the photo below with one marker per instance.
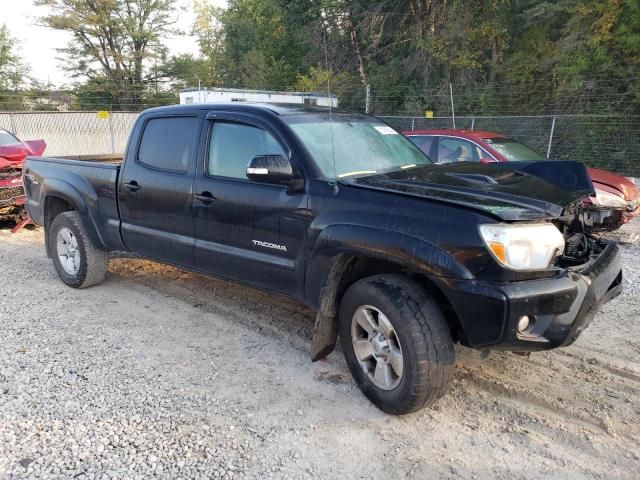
(560, 308)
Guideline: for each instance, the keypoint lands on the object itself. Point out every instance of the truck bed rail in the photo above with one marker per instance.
(107, 158)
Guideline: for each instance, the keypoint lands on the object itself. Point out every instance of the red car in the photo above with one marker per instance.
(13, 152)
(617, 199)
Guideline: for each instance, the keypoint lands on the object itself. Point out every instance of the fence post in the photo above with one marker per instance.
(453, 112)
(367, 101)
(473, 123)
(12, 121)
(553, 127)
(413, 123)
(113, 141)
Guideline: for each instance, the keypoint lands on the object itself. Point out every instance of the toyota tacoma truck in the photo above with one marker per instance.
(400, 258)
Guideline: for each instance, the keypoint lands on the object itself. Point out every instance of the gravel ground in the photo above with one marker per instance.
(158, 372)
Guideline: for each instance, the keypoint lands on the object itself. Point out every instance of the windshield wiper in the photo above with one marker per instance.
(358, 172)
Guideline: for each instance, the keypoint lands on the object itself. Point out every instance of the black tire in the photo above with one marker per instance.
(427, 349)
(93, 260)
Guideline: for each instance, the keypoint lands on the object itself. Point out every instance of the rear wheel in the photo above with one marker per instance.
(396, 342)
(77, 260)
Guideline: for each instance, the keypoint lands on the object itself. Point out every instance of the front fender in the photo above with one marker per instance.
(404, 250)
(332, 258)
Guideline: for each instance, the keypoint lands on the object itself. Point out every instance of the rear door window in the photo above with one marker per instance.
(169, 143)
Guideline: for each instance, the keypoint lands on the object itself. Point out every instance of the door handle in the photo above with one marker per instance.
(205, 198)
(132, 186)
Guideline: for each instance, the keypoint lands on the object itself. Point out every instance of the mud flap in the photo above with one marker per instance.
(325, 336)
(325, 332)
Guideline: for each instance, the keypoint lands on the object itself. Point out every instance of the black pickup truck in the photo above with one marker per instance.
(401, 258)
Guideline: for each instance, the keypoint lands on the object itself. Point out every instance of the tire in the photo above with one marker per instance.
(90, 262)
(419, 332)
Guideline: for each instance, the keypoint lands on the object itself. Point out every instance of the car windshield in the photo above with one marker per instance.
(512, 150)
(350, 145)
(7, 139)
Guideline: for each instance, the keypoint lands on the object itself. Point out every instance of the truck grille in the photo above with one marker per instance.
(12, 192)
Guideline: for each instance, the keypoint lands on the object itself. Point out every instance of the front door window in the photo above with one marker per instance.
(451, 150)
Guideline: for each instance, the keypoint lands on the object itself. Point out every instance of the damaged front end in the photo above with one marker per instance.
(12, 197)
(529, 289)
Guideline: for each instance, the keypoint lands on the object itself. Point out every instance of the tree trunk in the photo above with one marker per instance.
(494, 61)
(356, 50)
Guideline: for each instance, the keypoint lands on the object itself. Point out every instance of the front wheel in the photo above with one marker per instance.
(396, 342)
(77, 260)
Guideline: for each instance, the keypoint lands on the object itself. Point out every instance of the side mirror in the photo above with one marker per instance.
(274, 169)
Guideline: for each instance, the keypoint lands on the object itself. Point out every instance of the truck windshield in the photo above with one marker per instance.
(512, 150)
(352, 145)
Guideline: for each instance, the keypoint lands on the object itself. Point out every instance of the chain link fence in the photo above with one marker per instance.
(72, 133)
(608, 142)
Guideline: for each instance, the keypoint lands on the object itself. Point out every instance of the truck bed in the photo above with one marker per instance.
(92, 183)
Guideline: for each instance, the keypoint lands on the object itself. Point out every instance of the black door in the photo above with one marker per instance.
(155, 192)
(250, 232)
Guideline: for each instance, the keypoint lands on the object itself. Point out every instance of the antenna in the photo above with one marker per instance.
(334, 181)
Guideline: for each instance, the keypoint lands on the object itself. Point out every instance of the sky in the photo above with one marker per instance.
(37, 44)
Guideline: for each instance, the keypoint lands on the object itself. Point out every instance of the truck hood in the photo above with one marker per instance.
(510, 191)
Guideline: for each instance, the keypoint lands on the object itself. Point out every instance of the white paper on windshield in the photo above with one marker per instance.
(384, 130)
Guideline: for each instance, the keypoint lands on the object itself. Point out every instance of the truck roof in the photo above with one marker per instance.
(276, 108)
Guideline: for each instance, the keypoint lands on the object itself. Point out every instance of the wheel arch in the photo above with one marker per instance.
(54, 205)
(343, 257)
(60, 196)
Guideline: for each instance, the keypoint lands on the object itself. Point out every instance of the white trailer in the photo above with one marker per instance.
(229, 95)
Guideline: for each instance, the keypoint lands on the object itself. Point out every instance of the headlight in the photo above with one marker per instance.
(611, 200)
(523, 246)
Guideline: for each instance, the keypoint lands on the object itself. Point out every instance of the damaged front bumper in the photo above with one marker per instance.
(557, 309)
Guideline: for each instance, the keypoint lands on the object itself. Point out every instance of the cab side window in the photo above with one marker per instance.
(169, 143)
(233, 145)
(452, 150)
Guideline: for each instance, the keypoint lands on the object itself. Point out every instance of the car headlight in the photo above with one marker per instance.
(523, 246)
(611, 200)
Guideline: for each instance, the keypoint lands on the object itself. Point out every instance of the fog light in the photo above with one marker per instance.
(523, 324)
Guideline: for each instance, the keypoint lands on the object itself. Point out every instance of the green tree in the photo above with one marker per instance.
(184, 70)
(208, 31)
(252, 43)
(13, 73)
(502, 56)
(97, 93)
(112, 39)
